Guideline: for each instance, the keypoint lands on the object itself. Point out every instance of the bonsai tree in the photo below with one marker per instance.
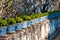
(11, 21)
(18, 19)
(3, 23)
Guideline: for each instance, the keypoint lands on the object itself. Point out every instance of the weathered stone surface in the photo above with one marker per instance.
(38, 31)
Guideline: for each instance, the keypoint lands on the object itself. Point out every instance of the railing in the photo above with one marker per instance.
(34, 22)
(54, 34)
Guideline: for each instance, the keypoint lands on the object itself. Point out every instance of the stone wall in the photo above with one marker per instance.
(39, 31)
(34, 32)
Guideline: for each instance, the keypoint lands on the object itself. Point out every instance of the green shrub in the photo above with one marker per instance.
(46, 14)
(11, 21)
(32, 16)
(26, 17)
(37, 15)
(18, 19)
(41, 15)
(3, 23)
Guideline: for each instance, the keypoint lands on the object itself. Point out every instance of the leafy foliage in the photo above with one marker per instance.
(26, 17)
(18, 19)
(11, 21)
(32, 16)
(3, 23)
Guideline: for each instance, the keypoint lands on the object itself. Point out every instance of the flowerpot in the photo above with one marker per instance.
(19, 26)
(45, 17)
(39, 20)
(29, 23)
(3, 31)
(32, 22)
(24, 24)
(11, 29)
(36, 20)
(42, 18)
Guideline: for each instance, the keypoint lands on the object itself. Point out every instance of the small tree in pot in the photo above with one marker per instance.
(11, 26)
(19, 23)
(3, 27)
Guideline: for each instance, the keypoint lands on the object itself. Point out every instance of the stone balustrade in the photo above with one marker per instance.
(39, 31)
(35, 32)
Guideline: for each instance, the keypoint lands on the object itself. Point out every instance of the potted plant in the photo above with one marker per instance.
(11, 26)
(18, 23)
(3, 27)
(26, 19)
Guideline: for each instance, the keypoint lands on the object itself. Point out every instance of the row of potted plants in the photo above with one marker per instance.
(11, 25)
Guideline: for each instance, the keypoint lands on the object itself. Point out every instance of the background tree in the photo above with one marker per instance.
(46, 4)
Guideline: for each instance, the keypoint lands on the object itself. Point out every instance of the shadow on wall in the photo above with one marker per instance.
(54, 26)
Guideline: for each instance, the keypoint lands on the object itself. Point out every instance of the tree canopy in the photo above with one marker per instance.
(17, 7)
